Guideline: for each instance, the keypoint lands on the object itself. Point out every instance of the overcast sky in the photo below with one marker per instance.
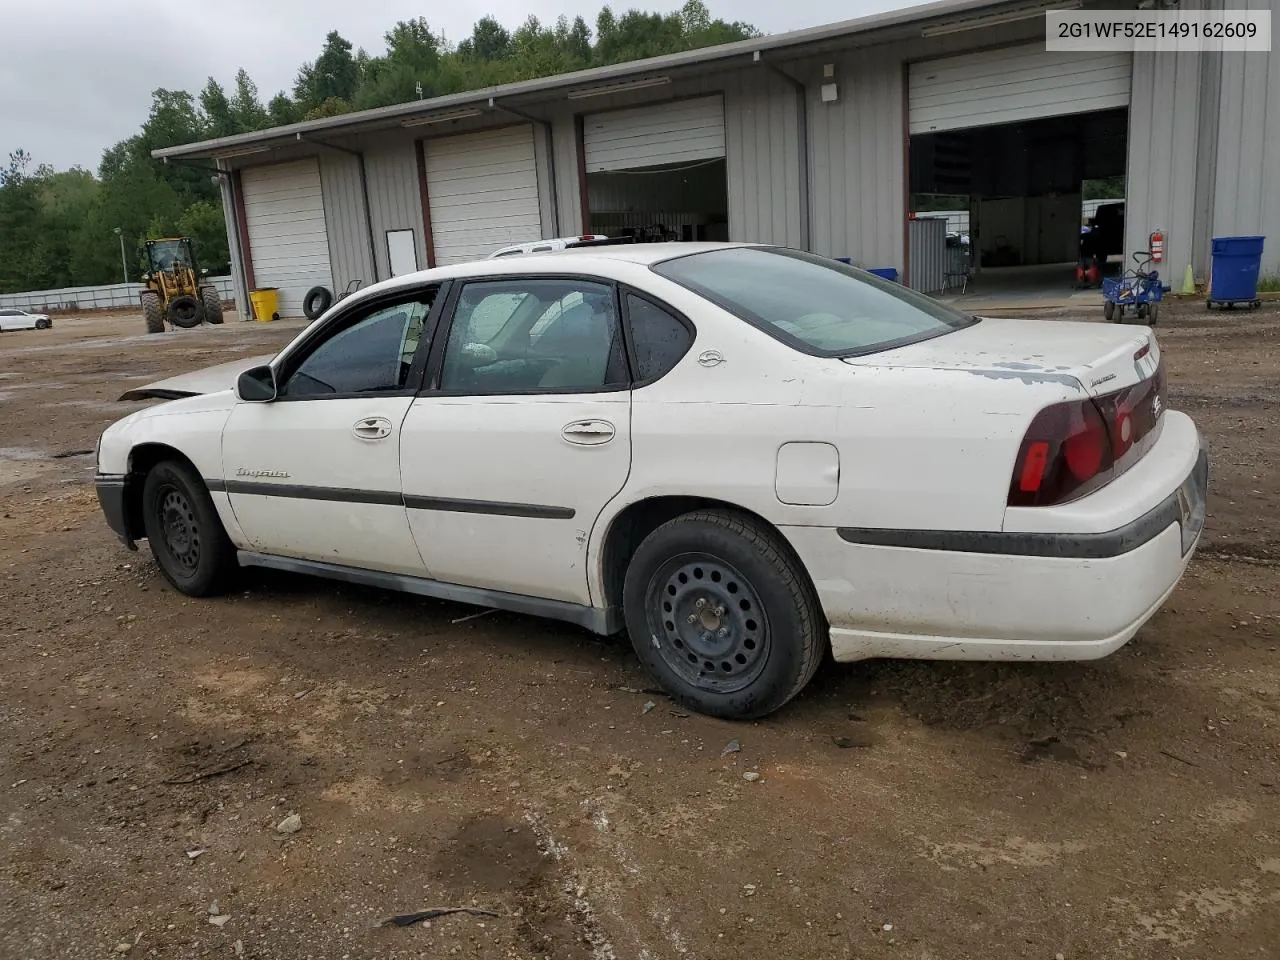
(76, 75)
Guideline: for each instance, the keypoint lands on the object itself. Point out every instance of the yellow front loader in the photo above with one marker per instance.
(173, 288)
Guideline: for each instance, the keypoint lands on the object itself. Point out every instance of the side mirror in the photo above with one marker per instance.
(257, 385)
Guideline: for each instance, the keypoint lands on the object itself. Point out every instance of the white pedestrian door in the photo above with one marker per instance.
(508, 465)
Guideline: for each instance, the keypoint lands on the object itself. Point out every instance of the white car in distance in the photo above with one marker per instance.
(744, 456)
(13, 319)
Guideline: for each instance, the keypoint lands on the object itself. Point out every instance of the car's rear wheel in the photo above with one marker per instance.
(722, 615)
(184, 532)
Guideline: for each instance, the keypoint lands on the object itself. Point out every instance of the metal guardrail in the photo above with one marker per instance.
(101, 297)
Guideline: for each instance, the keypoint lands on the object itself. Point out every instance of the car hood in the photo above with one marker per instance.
(1100, 357)
(197, 382)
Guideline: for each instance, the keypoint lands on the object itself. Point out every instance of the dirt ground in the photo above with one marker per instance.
(150, 745)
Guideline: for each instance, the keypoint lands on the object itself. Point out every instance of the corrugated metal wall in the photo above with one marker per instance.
(1164, 119)
(395, 199)
(764, 153)
(345, 220)
(928, 239)
(1247, 199)
(857, 159)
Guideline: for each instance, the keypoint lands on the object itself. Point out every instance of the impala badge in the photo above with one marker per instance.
(259, 474)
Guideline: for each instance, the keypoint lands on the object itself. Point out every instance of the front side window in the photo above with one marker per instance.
(816, 305)
(522, 336)
(372, 354)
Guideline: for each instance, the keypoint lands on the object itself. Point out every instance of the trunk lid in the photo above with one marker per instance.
(1101, 358)
(197, 382)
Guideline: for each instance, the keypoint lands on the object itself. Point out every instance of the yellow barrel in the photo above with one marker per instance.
(266, 303)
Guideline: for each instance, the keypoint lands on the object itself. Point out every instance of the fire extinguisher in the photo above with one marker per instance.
(1157, 246)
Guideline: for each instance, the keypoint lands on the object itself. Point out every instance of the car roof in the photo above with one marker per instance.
(585, 258)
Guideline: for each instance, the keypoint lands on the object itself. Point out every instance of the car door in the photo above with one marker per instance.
(521, 436)
(315, 473)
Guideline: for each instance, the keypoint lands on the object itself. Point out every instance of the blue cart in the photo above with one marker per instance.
(1137, 293)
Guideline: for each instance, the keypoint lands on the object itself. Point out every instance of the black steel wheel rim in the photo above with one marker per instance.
(707, 623)
(180, 532)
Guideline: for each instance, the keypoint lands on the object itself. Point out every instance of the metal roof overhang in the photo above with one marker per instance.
(864, 31)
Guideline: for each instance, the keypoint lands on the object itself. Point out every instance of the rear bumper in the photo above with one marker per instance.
(112, 497)
(1006, 595)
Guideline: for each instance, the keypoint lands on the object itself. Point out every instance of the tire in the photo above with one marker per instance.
(757, 621)
(184, 532)
(43, 324)
(185, 311)
(1153, 313)
(212, 304)
(1109, 312)
(152, 313)
(316, 302)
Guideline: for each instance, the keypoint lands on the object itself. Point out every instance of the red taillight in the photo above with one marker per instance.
(1086, 450)
(1075, 447)
(1033, 464)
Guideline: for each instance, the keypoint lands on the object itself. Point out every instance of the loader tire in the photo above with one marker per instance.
(212, 304)
(185, 311)
(152, 313)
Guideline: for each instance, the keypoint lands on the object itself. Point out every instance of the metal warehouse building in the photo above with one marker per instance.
(818, 139)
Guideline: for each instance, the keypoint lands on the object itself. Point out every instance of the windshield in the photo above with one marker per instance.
(165, 253)
(816, 305)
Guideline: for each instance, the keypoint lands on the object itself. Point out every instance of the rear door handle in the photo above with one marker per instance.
(588, 433)
(372, 428)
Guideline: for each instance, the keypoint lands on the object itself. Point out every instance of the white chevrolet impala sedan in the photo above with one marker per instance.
(744, 456)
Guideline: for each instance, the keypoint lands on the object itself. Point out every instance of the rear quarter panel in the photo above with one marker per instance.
(918, 448)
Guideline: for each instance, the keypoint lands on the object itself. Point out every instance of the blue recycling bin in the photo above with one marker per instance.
(885, 273)
(1236, 262)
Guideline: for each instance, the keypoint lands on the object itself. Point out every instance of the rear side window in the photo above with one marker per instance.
(816, 305)
(658, 339)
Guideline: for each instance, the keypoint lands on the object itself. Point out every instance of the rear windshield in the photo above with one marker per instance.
(819, 306)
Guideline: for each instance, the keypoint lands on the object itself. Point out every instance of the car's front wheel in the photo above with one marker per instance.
(184, 532)
(723, 615)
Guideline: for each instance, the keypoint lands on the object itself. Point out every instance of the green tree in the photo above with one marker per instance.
(489, 40)
(333, 75)
(281, 110)
(246, 108)
(219, 121)
(333, 107)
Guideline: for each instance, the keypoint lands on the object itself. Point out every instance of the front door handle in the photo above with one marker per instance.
(588, 433)
(372, 428)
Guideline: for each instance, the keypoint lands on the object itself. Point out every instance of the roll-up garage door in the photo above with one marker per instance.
(1017, 83)
(483, 193)
(284, 213)
(683, 131)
